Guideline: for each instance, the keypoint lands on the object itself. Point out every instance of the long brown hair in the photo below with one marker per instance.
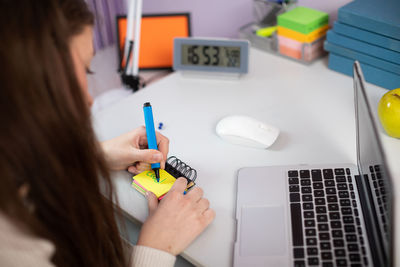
(46, 138)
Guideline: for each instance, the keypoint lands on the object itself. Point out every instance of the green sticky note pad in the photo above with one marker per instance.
(303, 19)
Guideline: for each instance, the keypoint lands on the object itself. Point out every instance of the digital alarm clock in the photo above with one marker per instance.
(211, 55)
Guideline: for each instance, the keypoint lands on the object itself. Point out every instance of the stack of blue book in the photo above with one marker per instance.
(367, 31)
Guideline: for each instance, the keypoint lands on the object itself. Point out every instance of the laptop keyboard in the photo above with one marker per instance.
(326, 227)
(381, 195)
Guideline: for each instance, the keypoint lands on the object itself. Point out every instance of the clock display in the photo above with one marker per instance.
(210, 55)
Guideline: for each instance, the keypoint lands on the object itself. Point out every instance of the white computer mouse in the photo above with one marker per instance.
(247, 131)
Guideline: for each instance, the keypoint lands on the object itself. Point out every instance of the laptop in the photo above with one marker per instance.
(326, 215)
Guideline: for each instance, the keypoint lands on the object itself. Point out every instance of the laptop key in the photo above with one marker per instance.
(298, 253)
(343, 194)
(332, 199)
(312, 251)
(351, 238)
(322, 218)
(320, 209)
(327, 264)
(306, 190)
(337, 233)
(340, 253)
(363, 250)
(307, 198)
(311, 232)
(339, 171)
(349, 228)
(323, 227)
(328, 173)
(334, 215)
(316, 174)
(304, 174)
(293, 180)
(341, 186)
(293, 174)
(294, 188)
(338, 243)
(329, 183)
(297, 225)
(326, 255)
(313, 261)
(324, 236)
(318, 185)
(345, 202)
(311, 241)
(359, 230)
(333, 207)
(309, 223)
(340, 179)
(348, 219)
(352, 247)
(305, 182)
(294, 197)
(319, 201)
(341, 262)
(330, 191)
(336, 224)
(354, 257)
(319, 193)
(308, 214)
(298, 263)
(308, 206)
(346, 211)
(325, 245)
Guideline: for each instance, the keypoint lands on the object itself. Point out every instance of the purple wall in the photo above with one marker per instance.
(223, 18)
(209, 17)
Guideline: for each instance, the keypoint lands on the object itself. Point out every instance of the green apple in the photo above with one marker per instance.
(389, 112)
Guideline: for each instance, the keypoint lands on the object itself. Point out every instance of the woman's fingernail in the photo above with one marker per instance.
(157, 157)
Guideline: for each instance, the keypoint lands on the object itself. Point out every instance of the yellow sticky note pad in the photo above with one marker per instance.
(147, 181)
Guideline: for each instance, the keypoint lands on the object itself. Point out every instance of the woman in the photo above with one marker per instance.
(52, 211)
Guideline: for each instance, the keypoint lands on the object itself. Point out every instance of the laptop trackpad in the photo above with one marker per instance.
(262, 231)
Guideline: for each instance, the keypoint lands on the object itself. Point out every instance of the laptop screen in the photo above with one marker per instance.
(374, 182)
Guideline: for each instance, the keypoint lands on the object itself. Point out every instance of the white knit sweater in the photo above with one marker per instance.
(21, 249)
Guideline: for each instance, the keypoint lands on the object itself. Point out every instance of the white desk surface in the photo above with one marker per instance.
(311, 105)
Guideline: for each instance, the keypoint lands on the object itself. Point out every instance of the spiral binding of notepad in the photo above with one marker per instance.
(178, 168)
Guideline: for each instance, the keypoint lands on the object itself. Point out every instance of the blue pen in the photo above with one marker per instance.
(151, 135)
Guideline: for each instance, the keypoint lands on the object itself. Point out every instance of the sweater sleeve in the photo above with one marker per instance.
(19, 249)
(149, 257)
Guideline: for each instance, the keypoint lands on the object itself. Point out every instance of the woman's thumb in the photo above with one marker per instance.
(152, 201)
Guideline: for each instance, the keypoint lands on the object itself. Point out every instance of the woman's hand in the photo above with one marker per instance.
(129, 151)
(177, 220)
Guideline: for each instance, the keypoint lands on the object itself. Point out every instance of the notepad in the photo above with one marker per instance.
(302, 19)
(146, 181)
(174, 168)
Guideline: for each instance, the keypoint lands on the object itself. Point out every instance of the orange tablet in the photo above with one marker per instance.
(156, 38)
